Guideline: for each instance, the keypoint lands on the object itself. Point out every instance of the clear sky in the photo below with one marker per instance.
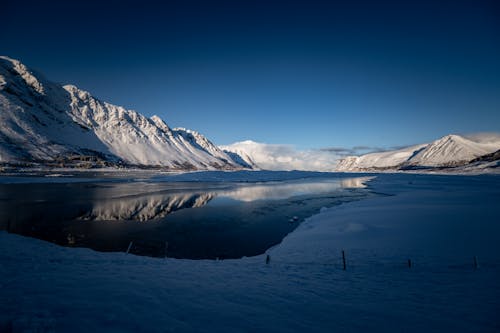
(313, 74)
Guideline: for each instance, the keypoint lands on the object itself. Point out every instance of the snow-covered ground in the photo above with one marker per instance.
(439, 222)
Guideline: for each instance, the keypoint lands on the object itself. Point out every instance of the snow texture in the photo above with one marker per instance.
(439, 222)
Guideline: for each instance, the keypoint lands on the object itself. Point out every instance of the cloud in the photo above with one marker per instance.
(359, 150)
(338, 150)
(356, 150)
(363, 148)
(401, 147)
(483, 137)
(286, 157)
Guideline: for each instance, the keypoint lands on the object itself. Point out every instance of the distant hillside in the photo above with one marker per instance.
(450, 151)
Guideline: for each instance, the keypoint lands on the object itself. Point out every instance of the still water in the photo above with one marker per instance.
(193, 220)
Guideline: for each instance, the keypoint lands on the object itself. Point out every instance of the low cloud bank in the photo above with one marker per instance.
(285, 157)
(484, 137)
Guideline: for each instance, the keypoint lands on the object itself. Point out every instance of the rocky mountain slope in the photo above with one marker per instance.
(45, 123)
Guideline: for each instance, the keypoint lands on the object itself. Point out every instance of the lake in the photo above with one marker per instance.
(180, 219)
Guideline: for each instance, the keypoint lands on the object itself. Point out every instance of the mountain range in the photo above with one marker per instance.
(42, 122)
(449, 152)
(48, 124)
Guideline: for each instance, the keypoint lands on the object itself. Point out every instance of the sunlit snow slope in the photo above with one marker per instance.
(448, 151)
(41, 121)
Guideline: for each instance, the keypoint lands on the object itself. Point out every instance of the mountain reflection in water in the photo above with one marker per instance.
(196, 220)
(145, 207)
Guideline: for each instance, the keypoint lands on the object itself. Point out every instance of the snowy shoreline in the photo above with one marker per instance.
(61, 175)
(191, 176)
(48, 288)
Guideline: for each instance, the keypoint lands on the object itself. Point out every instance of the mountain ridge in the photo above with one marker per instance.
(449, 151)
(44, 122)
(48, 124)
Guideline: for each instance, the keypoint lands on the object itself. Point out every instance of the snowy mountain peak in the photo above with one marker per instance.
(82, 94)
(161, 124)
(449, 151)
(45, 122)
(449, 140)
(15, 67)
(451, 137)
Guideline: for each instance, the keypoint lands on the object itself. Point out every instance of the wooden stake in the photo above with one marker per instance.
(343, 259)
(409, 263)
(129, 246)
(268, 259)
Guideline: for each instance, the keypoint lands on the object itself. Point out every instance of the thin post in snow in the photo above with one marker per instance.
(166, 249)
(343, 259)
(409, 263)
(129, 246)
(475, 262)
(268, 259)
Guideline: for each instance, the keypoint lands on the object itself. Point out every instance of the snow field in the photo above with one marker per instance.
(46, 288)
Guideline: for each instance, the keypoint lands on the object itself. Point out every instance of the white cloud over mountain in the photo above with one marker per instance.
(483, 137)
(284, 157)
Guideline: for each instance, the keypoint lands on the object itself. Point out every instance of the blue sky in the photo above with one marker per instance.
(312, 74)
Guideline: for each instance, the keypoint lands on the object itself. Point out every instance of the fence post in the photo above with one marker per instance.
(129, 246)
(409, 263)
(268, 259)
(166, 249)
(343, 259)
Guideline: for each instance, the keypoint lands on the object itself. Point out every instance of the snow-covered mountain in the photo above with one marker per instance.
(452, 150)
(381, 160)
(240, 151)
(448, 151)
(44, 122)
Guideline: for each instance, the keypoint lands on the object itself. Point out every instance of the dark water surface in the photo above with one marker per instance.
(178, 219)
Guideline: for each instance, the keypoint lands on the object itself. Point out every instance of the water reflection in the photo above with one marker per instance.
(284, 190)
(193, 218)
(359, 182)
(145, 207)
